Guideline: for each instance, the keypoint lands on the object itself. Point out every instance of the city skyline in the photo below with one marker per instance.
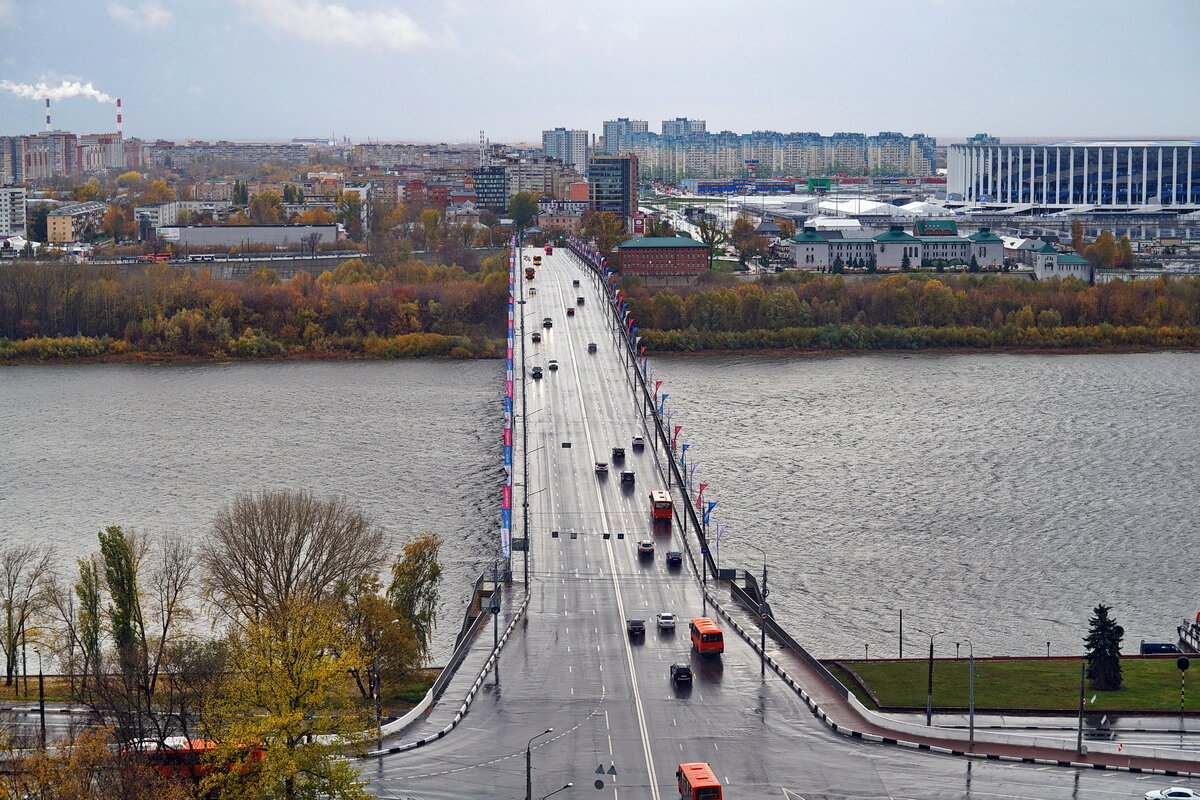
(441, 71)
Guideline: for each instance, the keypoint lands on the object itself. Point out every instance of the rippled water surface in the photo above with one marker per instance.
(161, 448)
(996, 497)
(992, 497)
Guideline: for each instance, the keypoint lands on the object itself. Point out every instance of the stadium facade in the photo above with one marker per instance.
(1076, 175)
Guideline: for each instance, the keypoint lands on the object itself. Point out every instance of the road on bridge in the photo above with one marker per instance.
(570, 665)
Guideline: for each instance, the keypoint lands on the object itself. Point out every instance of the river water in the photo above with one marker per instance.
(994, 497)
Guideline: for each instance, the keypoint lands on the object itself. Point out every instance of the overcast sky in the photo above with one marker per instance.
(441, 70)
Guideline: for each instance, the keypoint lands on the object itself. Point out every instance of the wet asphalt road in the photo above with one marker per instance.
(617, 718)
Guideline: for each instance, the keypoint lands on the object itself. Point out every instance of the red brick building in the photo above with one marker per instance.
(663, 261)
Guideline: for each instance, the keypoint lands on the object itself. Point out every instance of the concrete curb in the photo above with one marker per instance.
(820, 714)
(470, 698)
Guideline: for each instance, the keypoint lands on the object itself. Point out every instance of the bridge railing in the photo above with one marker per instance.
(647, 397)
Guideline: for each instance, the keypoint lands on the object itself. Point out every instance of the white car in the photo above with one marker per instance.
(665, 620)
(1174, 793)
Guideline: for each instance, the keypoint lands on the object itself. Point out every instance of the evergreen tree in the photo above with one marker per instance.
(974, 266)
(838, 266)
(1103, 650)
(905, 263)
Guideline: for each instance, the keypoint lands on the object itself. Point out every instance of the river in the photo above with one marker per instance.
(995, 497)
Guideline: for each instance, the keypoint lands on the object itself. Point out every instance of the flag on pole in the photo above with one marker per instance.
(708, 511)
(720, 532)
(675, 436)
(700, 496)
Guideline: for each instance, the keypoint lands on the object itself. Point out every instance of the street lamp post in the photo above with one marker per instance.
(929, 689)
(556, 791)
(762, 612)
(971, 689)
(41, 700)
(529, 763)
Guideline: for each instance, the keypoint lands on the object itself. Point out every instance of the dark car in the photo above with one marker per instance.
(547, 322)
(627, 477)
(575, 282)
(570, 311)
(578, 301)
(537, 373)
(591, 347)
(618, 454)
(674, 557)
(636, 627)
(537, 337)
(681, 673)
(1158, 649)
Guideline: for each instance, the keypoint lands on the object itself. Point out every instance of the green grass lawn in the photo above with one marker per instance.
(1151, 684)
(725, 265)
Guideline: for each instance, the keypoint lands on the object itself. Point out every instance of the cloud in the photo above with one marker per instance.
(334, 23)
(147, 15)
(42, 91)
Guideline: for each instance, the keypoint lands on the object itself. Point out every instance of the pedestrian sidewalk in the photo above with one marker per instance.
(843, 713)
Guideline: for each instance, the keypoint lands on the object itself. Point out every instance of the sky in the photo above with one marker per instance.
(442, 70)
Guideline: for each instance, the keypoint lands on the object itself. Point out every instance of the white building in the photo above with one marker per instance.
(1109, 174)
(12, 210)
(1052, 263)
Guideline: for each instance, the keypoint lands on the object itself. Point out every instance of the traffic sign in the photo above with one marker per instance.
(704, 550)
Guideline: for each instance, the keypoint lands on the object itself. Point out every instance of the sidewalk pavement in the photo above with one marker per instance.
(845, 715)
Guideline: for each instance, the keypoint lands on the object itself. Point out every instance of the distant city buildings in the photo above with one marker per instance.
(931, 243)
(686, 150)
(230, 154)
(663, 261)
(74, 222)
(568, 146)
(1076, 175)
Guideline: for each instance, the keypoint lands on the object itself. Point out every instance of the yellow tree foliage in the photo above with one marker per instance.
(157, 191)
(286, 712)
(314, 216)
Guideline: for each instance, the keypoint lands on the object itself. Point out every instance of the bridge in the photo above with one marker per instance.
(596, 707)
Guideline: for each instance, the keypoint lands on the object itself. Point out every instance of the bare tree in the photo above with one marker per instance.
(25, 573)
(273, 549)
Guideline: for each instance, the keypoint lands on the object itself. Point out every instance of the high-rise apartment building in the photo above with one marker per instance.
(12, 210)
(617, 130)
(613, 184)
(568, 146)
(491, 187)
(682, 126)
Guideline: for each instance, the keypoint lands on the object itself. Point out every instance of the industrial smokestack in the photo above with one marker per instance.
(120, 127)
(48, 114)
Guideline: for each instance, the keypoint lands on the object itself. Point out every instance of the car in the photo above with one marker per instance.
(627, 477)
(1173, 793)
(570, 311)
(601, 468)
(681, 673)
(537, 336)
(636, 627)
(665, 619)
(618, 454)
(674, 557)
(578, 301)
(591, 347)
(646, 548)
(537, 373)
(638, 443)
(553, 365)
(547, 322)
(575, 282)
(1158, 649)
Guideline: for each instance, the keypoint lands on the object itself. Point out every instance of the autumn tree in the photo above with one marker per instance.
(275, 548)
(156, 191)
(286, 691)
(266, 208)
(1103, 252)
(1077, 243)
(522, 207)
(350, 214)
(1125, 257)
(88, 191)
(413, 591)
(131, 179)
(787, 227)
(712, 235)
(605, 228)
(314, 216)
(25, 573)
(1102, 650)
(431, 220)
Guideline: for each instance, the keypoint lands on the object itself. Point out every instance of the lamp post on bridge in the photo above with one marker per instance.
(762, 612)
(929, 690)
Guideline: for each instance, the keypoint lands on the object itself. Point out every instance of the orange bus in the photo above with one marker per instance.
(706, 636)
(178, 757)
(660, 505)
(697, 782)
